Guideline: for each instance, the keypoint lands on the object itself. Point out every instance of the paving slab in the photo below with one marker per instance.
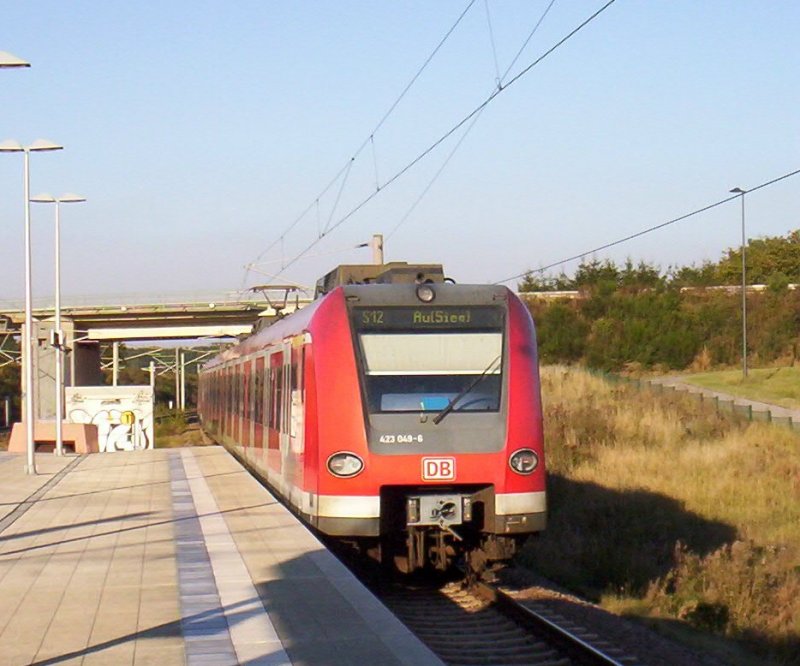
(73, 565)
(174, 557)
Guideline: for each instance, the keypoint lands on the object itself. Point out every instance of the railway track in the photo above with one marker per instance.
(482, 625)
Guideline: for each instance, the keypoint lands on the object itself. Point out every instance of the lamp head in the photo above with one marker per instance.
(11, 146)
(44, 197)
(10, 60)
(44, 144)
(737, 190)
(14, 146)
(71, 198)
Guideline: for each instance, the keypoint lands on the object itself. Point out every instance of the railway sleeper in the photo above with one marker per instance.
(465, 627)
(530, 642)
(491, 656)
(507, 662)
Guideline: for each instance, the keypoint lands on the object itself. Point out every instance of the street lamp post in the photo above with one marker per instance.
(58, 336)
(11, 146)
(741, 192)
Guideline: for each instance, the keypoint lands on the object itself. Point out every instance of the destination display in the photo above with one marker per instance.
(446, 317)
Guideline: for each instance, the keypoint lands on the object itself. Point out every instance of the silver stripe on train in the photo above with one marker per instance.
(348, 506)
(510, 503)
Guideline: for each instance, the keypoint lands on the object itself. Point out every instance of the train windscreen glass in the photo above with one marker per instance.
(412, 364)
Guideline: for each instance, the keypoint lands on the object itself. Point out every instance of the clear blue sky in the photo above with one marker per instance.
(199, 131)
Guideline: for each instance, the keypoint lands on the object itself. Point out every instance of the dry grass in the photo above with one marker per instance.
(666, 509)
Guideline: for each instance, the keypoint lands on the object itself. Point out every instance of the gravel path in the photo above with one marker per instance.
(757, 406)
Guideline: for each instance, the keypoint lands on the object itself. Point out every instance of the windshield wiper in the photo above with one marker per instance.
(452, 405)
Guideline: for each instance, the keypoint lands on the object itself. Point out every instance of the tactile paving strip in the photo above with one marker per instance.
(203, 624)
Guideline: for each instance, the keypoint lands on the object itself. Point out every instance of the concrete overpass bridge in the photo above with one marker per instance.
(88, 323)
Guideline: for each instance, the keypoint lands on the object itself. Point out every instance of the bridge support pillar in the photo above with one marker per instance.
(81, 366)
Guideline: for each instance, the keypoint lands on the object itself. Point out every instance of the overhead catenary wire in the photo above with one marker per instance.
(375, 164)
(498, 91)
(257, 267)
(491, 40)
(466, 133)
(338, 197)
(370, 138)
(643, 232)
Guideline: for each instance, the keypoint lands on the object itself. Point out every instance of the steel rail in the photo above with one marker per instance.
(572, 645)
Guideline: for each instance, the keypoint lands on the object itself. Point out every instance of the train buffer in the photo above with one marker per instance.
(174, 556)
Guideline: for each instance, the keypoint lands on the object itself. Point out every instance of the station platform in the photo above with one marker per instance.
(174, 556)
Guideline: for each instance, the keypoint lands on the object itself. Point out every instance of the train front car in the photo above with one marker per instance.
(447, 456)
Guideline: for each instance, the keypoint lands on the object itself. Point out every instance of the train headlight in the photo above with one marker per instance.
(345, 464)
(425, 293)
(524, 461)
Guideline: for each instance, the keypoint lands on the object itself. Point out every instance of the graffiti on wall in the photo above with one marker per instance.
(123, 415)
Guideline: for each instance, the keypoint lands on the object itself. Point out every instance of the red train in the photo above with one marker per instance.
(402, 415)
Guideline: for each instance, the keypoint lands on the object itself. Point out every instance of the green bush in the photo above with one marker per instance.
(665, 328)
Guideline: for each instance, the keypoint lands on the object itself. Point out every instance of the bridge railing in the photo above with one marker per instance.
(141, 299)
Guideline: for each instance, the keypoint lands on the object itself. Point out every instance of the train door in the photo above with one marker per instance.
(238, 407)
(228, 402)
(258, 405)
(217, 396)
(274, 418)
(224, 406)
(286, 404)
(247, 439)
(267, 399)
(296, 415)
(297, 405)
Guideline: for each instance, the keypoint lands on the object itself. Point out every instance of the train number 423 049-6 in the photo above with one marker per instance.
(401, 439)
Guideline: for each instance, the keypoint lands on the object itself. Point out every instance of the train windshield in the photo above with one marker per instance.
(425, 371)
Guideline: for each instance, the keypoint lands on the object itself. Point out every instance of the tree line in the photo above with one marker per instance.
(637, 315)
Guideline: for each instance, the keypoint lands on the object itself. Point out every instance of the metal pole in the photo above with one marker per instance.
(183, 381)
(28, 347)
(59, 347)
(115, 363)
(744, 297)
(177, 377)
(7, 410)
(152, 370)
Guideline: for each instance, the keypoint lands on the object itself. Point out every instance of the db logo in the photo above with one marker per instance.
(438, 469)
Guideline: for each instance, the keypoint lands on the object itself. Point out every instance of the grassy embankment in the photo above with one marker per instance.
(663, 510)
(779, 386)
